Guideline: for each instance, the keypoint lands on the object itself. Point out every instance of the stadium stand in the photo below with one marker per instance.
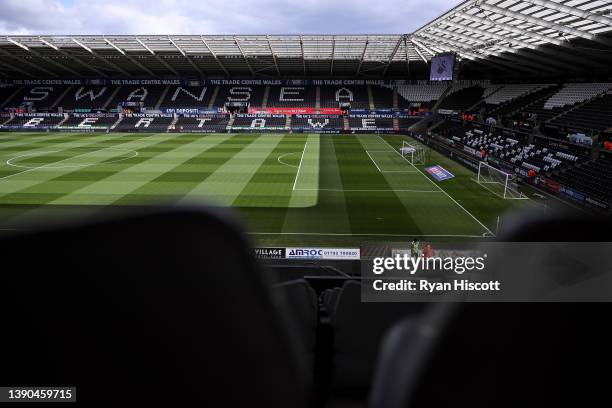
(41, 97)
(259, 122)
(370, 123)
(148, 95)
(591, 178)
(382, 97)
(332, 96)
(595, 114)
(462, 95)
(35, 121)
(202, 124)
(565, 98)
(184, 96)
(292, 97)
(426, 93)
(144, 123)
(520, 102)
(317, 122)
(253, 94)
(86, 97)
(404, 122)
(83, 121)
(6, 90)
(510, 92)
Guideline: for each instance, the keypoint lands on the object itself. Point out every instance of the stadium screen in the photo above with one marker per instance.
(442, 67)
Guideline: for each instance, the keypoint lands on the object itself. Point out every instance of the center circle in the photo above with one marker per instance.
(124, 154)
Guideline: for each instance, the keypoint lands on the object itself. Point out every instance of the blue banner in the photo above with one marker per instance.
(439, 173)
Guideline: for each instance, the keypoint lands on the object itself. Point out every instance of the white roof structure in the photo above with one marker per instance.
(526, 37)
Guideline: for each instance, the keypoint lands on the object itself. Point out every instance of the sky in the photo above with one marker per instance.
(26, 17)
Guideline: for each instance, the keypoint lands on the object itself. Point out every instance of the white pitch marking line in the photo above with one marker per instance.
(286, 164)
(297, 173)
(368, 153)
(370, 235)
(134, 153)
(442, 190)
(59, 161)
(368, 191)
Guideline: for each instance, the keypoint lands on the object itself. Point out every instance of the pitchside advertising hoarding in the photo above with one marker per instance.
(307, 253)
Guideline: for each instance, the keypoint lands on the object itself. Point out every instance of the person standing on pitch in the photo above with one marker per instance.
(414, 248)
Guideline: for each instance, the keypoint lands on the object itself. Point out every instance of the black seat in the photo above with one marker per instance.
(299, 300)
(156, 307)
(358, 330)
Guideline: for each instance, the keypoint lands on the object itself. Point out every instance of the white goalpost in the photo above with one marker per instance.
(415, 154)
(498, 182)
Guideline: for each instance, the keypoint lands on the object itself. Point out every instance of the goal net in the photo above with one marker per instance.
(414, 153)
(498, 182)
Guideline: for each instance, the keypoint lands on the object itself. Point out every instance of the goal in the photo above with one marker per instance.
(415, 154)
(498, 182)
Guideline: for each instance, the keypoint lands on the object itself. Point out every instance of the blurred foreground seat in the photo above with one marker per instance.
(157, 307)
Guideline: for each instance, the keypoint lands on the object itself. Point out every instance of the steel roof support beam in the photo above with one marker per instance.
(416, 48)
(482, 59)
(273, 55)
(365, 47)
(72, 57)
(462, 36)
(331, 69)
(461, 49)
(573, 11)
(244, 56)
(157, 57)
(407, 55)
(129, 57)
(303, 56)
(28, 63)
(95, 54)
(397, 45)
(49, 60)
(193, 65)
(525, 33)
(540, 22)
(216, 57)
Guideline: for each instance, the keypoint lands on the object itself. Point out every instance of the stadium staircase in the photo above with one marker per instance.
(162, 97)
(230, 123)
(395, 124)
(264, 103)
(441, 98)
(318, 98)
(488, 92)
(370, 98)
(347, 126)
(395, 99)
(110, 98)
(114, 125)
(11, 96)
(66, 117)
(213, 97)
(541, 98)
(288, 123)
(7, 120)
(172, 124)
(57, 101)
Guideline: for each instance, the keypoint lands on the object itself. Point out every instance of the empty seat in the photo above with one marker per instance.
(154, 307)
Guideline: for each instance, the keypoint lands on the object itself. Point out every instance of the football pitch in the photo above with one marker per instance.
(287, 189)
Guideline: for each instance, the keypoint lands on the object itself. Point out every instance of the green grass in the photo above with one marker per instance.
(291, 189)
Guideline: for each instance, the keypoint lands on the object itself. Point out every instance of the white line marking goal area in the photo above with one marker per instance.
(391, 149)
(388, 162)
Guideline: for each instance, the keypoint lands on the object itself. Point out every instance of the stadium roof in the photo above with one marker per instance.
(508, 38)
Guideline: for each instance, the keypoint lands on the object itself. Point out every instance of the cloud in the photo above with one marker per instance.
(217, 16)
